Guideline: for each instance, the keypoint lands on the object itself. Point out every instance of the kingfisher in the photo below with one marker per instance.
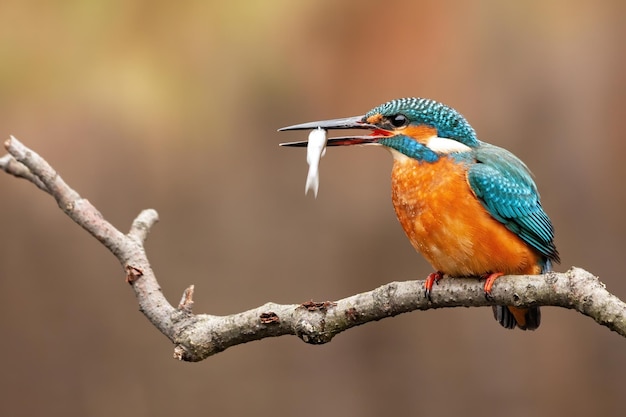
(470, 208)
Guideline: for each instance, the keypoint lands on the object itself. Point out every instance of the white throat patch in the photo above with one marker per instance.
(445, 145)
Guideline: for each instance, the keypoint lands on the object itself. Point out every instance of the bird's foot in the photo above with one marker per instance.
(490, 278)
(433, 278)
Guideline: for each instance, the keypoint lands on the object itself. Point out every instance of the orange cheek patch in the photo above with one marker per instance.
(421, 133)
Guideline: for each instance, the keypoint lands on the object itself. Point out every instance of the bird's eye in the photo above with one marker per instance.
(398, 120)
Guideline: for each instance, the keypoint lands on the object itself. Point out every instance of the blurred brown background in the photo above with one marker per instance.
(175, 106)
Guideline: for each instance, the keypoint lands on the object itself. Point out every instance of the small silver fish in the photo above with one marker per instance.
(316, 148)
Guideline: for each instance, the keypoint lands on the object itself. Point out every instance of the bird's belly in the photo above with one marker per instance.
(447, 224)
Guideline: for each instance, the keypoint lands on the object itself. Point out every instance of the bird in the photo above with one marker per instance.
(469, 207)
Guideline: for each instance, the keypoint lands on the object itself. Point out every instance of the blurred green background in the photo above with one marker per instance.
(175, 106)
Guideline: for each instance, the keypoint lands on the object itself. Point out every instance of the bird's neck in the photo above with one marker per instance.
(427, 149)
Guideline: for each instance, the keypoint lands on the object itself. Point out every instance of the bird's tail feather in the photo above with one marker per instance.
(511, 317)
(524, 318)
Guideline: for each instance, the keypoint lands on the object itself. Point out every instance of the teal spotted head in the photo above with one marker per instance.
(419, 128)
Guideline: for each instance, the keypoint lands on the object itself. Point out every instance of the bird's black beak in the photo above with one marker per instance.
(356, 122)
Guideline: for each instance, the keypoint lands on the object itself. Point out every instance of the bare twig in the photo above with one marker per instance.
(198, 336)
(11, 166)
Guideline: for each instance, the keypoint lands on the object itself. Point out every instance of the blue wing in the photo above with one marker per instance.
(504, 186)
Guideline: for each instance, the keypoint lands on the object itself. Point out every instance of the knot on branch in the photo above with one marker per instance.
(311, 328)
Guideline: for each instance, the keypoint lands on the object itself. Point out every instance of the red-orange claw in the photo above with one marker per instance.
(489, 280)
(433, 278)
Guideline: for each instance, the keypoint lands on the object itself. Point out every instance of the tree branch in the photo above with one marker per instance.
(198, 336)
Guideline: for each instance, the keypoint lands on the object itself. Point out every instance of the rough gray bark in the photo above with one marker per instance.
(198, 336)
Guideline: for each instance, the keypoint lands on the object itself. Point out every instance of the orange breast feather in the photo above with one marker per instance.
(448, 225)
